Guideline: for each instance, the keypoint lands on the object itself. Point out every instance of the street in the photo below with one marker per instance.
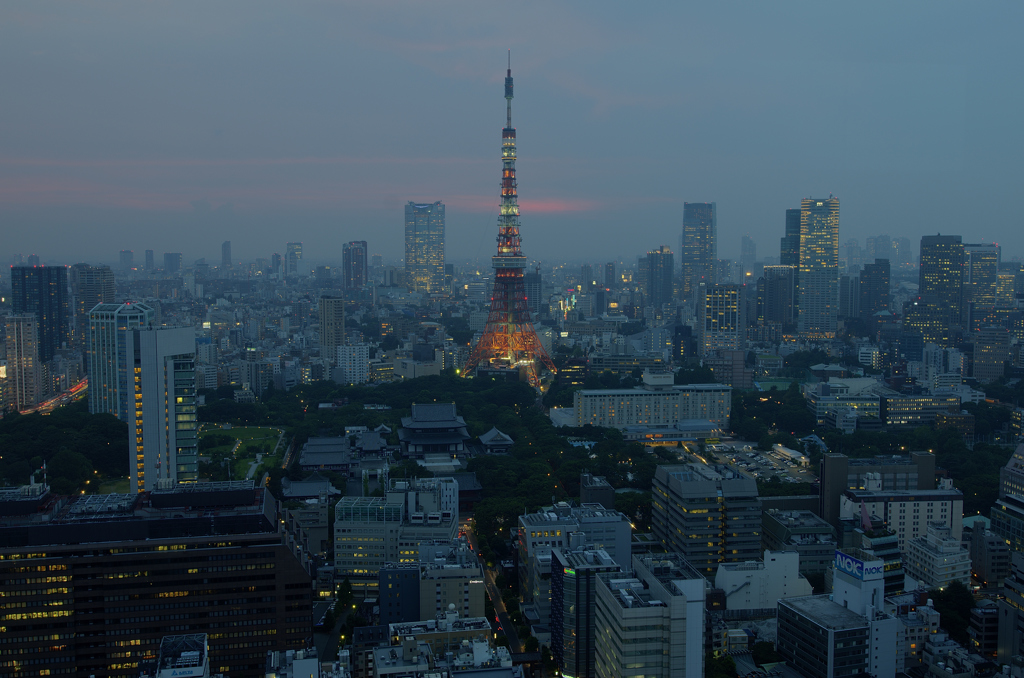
(507, 627)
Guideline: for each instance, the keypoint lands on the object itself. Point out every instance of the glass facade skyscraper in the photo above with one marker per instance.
(819, 268)
(424, 247)
(698, 246)
(42, 291)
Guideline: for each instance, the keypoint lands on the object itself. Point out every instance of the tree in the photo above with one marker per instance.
(954, 605)
(719, 667)
(764, 652)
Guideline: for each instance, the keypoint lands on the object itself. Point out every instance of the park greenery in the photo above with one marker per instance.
(79, 449)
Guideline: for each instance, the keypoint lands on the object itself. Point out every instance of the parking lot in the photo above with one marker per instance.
(759, 464)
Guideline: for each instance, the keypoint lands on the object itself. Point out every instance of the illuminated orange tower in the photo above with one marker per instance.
(509, 340)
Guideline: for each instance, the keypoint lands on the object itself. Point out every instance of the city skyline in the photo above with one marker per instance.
(271, 158)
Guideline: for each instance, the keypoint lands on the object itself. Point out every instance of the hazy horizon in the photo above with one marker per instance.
(174, 127)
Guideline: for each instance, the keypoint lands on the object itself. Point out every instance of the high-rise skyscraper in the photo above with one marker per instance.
(748, 254)
(776, 296)
(937, 312)
(172, 262)
(981, 278)
(150, 262)
(111, 356)
(354, 268)
(722, 323)
(275, 264)
(874, 288)
(42, 291)
(90, 285)
(819, 268)
(225, 255)
(789, 247)
(699, 246)
(532, 283)
(332, 327)
(24, 387)
(127, 260)
(609, 275)
(145, 376)
(292, 257)
(660, 268)
(424, 247)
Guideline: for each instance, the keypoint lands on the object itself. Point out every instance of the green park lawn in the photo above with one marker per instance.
(254, 440)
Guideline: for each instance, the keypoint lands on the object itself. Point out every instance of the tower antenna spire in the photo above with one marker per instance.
(509, 341)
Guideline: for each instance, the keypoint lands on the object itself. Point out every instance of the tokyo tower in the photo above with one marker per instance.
(509, 340)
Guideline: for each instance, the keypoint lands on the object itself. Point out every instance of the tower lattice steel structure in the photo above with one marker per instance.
(509, 339)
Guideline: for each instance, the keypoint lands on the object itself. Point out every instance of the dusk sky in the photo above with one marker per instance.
(173, 126)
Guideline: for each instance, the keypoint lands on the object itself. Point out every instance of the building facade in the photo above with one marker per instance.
(332, 326)
(722, 321)
(708, 514)
(819, 268)
(355, 270)
(93, 583)
(699, 246)
(42, 291)
(24, 383)
(424, 247)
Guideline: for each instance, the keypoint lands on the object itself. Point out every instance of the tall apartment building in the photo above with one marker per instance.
(332, 326)
(709, 514)
(660, 273)
(92, 583)
(651, 624)
(355, 269)
(371, 531)
(150, 260)
(42, 291)
(698, 250)
(424, 247)
(573, 606)
(819, 268)
(722, 322)
(354, 362)
(24, 387)
(658, 402)
(126, 258)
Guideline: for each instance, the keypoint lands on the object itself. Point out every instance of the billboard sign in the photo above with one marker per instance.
(857, 568)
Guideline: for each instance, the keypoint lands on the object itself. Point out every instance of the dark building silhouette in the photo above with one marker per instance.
(789, 247)
(105, 577)
(354, 264)
(660, 267)
(874, 288)
(42, 291)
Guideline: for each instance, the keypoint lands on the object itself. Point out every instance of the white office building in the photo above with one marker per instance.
(658, 402)
(936, 560)
(760, 585)
(650, 625)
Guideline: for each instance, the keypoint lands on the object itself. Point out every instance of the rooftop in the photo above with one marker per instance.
(826, 613)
